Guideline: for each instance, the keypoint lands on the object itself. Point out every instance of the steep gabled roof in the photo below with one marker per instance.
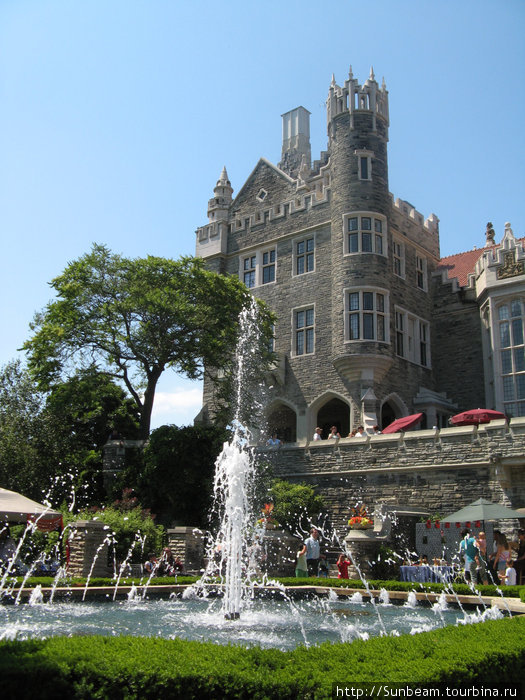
(262, 162)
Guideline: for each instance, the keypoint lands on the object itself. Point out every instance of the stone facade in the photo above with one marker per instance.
(372, 324)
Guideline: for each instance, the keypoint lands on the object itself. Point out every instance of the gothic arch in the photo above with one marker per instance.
(329, 409)
(281, 417)
(392, 407)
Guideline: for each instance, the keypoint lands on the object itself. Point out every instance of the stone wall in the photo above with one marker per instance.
(457, 356)
(420, 473)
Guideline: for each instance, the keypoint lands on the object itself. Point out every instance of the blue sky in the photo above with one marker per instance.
(117, 116)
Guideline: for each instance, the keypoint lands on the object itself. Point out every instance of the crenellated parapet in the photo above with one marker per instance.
(352, 97)
(410, 223)
(309, 193)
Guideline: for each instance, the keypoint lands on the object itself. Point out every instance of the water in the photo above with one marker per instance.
(266, 623)
(237, 617)
(235, 475)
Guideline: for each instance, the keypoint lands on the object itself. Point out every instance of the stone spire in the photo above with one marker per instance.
(218, 205)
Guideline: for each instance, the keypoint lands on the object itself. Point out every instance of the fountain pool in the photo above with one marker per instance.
(279, 624)
(238, 616)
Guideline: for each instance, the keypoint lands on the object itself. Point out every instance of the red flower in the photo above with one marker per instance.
(477, 523)
(447, 525)
(458, 524)
(429, 524)
(437, 525)
(467, 524)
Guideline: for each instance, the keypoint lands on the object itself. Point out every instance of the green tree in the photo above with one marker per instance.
(22, 431)
(51, 443)
(177, 480)
(295, 505)
(134, 318)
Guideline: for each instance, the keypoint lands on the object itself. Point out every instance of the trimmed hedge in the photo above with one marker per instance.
(139, 667)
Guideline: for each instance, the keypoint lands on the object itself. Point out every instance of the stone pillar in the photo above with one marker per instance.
(188, 544)
(364, 544)
(88, 547)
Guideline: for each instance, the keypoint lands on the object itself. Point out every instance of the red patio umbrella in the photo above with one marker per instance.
(403, 423)
(476, 416)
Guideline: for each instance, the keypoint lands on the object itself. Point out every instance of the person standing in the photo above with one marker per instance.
(508, 577)
(301, 568)
(470, 552)
(342, 566)
(519, 562)
(313, 552)
(481, 559)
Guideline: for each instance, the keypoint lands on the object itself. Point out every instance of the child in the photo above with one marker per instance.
(509, 577)
(301, 568)
(342, 564)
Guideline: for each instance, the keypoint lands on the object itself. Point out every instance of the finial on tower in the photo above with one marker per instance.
(224, 179)
(350, 73)
(383, 84)
(332, 84)
(372, 76)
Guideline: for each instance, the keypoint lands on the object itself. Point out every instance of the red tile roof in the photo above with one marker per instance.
(461, 264)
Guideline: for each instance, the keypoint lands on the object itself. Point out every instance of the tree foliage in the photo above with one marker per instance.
(51, 442)
(132, 319)
(22, 431)
(179, 464)
(295, 505)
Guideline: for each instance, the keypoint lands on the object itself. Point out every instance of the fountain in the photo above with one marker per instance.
(207, 609)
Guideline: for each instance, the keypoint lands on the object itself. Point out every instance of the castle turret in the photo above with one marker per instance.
(357, 117)
(219, 204)
(212, 239)
(296, 141)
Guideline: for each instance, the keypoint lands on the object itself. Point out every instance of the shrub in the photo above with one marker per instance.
(140, 667)
(126, 521)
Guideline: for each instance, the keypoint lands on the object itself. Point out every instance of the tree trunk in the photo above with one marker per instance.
(147, 405)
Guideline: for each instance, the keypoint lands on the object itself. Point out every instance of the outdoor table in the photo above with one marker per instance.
(426, 573)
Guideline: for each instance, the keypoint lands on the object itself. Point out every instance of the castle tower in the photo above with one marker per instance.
(358, 123)
(296, 140)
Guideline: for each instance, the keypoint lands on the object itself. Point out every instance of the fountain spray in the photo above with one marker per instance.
(235, 470)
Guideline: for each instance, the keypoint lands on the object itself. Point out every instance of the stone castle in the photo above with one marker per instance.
(372, 324)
